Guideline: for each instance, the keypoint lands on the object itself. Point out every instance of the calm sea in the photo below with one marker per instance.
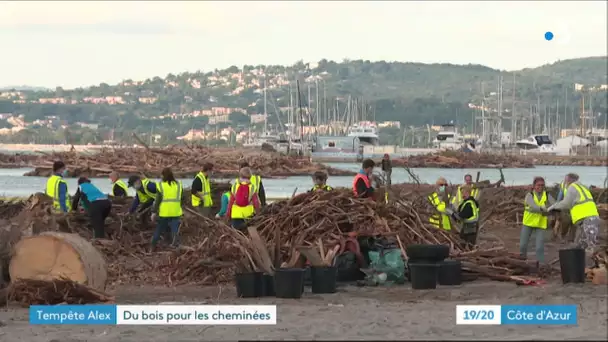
(13, 183)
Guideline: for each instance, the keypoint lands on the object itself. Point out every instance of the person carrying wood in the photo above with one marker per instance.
(57, 188)
(119, 188)
(145, 193)
(362, 185)
(256, 180)
(201, 190)
(95, 203)
(468, 181)
(168, 207)
(244, 201)
(583, 211)
(468, 214)
(535, 219)
(439, 199)
(320, 179)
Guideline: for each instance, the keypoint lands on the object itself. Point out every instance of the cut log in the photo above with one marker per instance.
(52, 255)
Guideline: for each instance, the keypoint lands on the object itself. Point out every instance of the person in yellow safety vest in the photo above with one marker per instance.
(320, 179)
(535, 219)
(439, 200)
(119, 188)
(567, 230)
(256, 180)
(562, 191)
(583, 211)
(244, 200)
(468, 181)
(57, 188)
(145, 193)
(201, 190)
(468, 214)
(168, 207)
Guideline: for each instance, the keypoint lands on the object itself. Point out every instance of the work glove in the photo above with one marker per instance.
(217, 216)
(153, 217)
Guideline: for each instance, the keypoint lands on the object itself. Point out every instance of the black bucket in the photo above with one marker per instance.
(324, 279)
(268, 285)
(249, 285)
(423, 276)
(289, 282)
(450, 273)
(572, 264)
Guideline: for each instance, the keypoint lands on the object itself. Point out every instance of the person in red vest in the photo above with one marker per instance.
(362, 185)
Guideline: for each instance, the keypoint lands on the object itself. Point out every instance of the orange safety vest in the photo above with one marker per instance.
(365, 179)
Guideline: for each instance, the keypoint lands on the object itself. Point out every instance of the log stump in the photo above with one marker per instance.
(53, 255)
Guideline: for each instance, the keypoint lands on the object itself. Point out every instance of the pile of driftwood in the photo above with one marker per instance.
(211, 252)
(186, 161)
(575, 160)
(59, 291)
(16, 160)
(325, 220)
(463, 160)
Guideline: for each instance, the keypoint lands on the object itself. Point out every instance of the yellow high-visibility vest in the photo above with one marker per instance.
(171, 203)
(206, 189)
(255, 180)
(443, 220)
(536, 220)
(122, 185)
(584, 206)
(247, 211)
(322, 187)
(458, 198)
(475, 217)
(144, 195)
(564, 188)
(52, 190)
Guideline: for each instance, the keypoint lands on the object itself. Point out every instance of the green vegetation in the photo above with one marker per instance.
(413, 93)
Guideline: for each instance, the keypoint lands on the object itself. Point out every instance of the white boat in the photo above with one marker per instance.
(265, 138)
(448, 138)
(540, 143)
(366, 132)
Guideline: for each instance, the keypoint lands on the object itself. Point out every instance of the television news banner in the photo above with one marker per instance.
(267, 314)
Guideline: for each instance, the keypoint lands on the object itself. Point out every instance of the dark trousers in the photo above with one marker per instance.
(469, 232)
(205, 211)
(470, 238)
(144, 206)
(239, 224)
(170, 227)
(98, 211)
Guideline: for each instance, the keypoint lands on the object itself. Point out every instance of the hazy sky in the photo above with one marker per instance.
(82, 43)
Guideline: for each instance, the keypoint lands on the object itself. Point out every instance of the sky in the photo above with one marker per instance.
(73, 44)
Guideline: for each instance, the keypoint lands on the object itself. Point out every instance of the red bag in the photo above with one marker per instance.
(241, 198)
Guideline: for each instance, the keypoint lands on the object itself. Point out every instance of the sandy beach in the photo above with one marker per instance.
(353, 313)
(389, 313)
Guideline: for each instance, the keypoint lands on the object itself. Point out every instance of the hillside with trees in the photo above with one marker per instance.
(412, 93)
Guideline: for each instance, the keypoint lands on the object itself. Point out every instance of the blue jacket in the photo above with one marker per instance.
(91, 192)
(225, 200)
(151, 187)
(86, 194)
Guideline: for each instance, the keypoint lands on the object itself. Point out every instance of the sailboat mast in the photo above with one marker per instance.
(265, 107)
(300, 110)
(318, 105)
